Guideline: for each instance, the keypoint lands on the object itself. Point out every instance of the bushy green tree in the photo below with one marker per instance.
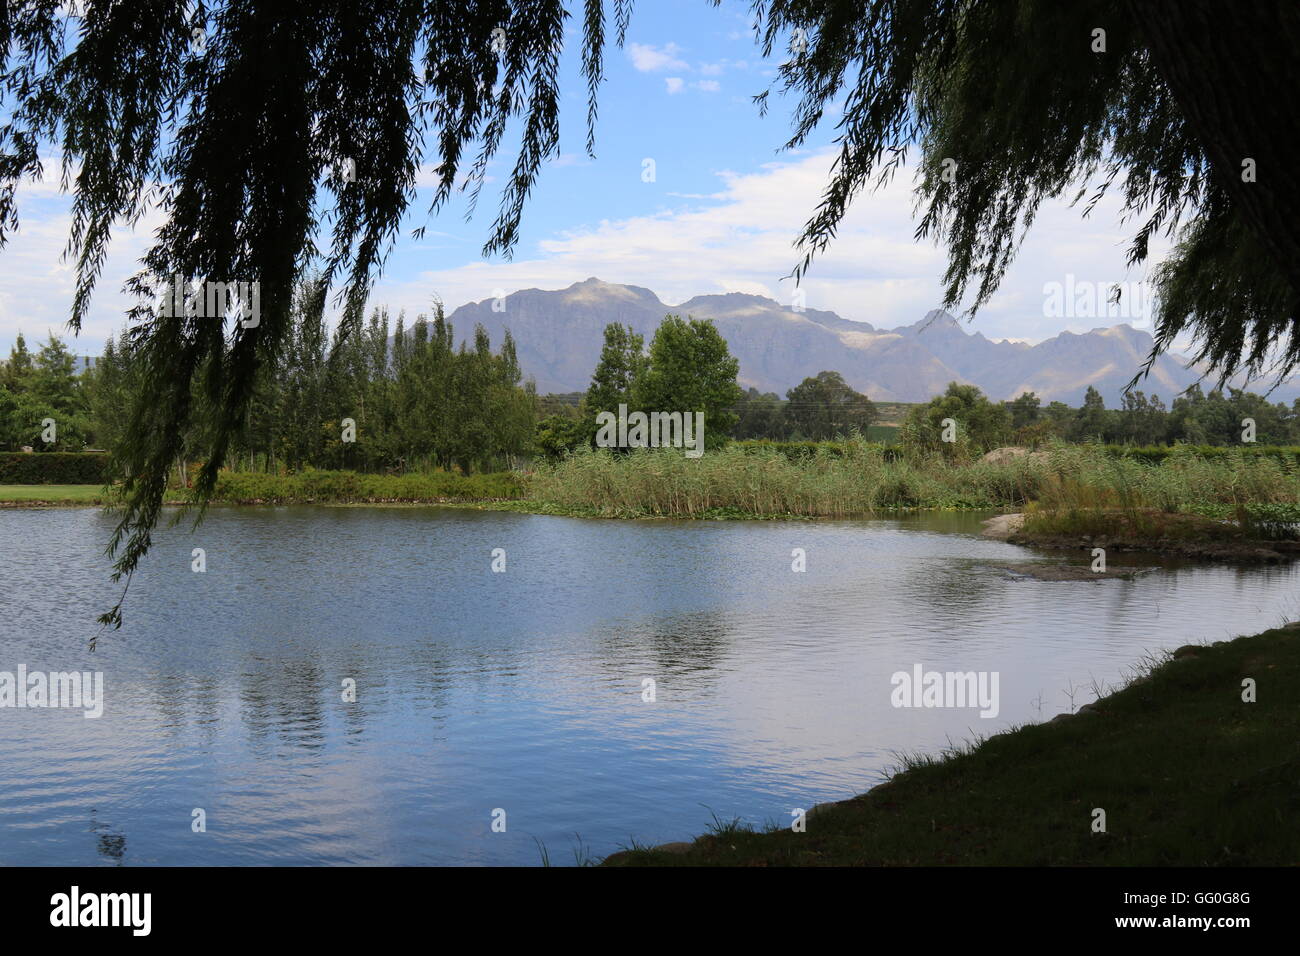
(690, 369)
(42, 393)
(975, 423)
(110, 386)
(1140, 420)
(15, 385)
(15, 372)
(559, 435)
(1091, 422)
(622, 361)
(1025, 410)
(760, 415)
(823, 406)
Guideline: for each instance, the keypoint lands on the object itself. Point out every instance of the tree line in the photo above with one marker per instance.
(689, 367)
(404, 399)
(1196, 417)
(407, 398)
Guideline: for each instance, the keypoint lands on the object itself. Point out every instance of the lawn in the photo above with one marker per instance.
(57, 494)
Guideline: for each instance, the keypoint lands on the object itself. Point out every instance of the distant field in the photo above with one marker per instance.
(82, 494)
(893, 413)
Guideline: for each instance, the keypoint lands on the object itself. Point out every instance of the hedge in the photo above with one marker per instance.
(53, 468)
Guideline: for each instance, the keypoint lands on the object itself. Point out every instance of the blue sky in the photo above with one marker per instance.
(720, 216)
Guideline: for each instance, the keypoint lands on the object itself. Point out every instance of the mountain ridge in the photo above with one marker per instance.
(558, 336)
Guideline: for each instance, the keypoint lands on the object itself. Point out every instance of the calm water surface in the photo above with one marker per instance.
(523, 690)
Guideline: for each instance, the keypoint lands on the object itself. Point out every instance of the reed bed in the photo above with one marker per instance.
(861, 479)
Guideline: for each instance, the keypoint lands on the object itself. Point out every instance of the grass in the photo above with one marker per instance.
(861, 478)
(308, 485)
(52, 494)
(1067, 490)
(764, 483)
(1243, 528)
(1186, 771)
(1230, 499)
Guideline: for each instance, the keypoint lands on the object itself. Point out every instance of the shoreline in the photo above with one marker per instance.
(1010, 528)
(1029, 795)
(517, 505)
(888, 803)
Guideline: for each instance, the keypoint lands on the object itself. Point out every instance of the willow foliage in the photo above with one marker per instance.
(238, 119)
(1013, 102)
(230, 116)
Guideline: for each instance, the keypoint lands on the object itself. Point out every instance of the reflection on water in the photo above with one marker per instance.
(224, 691)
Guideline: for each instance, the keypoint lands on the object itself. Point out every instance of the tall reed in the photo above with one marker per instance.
(860, 479)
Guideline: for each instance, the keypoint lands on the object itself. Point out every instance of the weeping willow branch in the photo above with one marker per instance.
(237, 120)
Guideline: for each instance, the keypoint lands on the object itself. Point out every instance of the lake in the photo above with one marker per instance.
(524, 691)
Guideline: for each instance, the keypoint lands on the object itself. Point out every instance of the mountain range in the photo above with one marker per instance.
(559, 333)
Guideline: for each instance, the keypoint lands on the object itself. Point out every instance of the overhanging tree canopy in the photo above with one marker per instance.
(233, 129)
(234, 118)
(1011, 103)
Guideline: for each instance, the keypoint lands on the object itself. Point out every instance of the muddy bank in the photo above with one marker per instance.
(1209, 542)
(1071, 572)
(1243, 551)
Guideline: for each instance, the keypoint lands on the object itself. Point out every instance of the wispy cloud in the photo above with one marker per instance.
(722, 66)
(652, 59)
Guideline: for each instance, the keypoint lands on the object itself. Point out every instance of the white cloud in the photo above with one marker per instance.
(37, 283)
(675, 84)
(651, 59)
(740, 240)
(707, 86)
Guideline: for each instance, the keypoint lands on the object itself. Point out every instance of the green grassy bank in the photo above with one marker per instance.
(1185, 770)
(22, 495)
(1065, 487)
(303, 487)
